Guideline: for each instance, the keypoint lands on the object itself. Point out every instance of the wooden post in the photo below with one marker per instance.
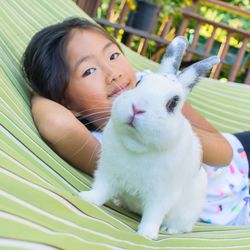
(210, 42)
(183, 26)
(247, 80)
(142, 46)
(122, 16)
(129, 40)
(195, 40)
(222, 54)
(196, 5)
(238, 60)
(167, 27)
(110, 9)
(90, 7)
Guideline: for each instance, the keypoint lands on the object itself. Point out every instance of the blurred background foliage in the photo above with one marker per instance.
(209, 11)
(206, 9)
(240, 3)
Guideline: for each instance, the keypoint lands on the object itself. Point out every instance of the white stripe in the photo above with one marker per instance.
(5, 106)
(58, 176)
(25, 15)
(10, 23)
(222, 118)
(223, 126)
(61, 12)
(205, 80)
(21, 244)
(198, 238)
(60, 200)
(217, 93)
(41, 163)
(66, 222)
(46, 230)
(225, 89)
(225, 110)
(61, 220)
(212, 102)
(35, 175)
(72, 224)
(69, 10)
(4, 55)
(18, 106)
(54, 217)
(244, 247)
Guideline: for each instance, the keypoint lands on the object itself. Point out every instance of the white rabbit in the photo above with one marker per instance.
(150, 157)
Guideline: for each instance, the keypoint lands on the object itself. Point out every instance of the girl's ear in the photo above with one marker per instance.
(190, 75)
(172, 58)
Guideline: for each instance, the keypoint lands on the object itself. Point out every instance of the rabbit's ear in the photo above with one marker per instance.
(172, 58)
(190, 75)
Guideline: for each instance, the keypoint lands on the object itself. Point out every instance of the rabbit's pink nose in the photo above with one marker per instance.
(136, 110)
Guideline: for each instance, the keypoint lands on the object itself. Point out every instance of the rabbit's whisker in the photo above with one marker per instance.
(94, 114)
(97, 120)
(93, 152)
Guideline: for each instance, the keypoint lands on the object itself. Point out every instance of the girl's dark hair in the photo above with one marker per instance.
(44, 64)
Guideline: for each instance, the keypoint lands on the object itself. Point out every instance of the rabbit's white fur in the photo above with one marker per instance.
(153, 164)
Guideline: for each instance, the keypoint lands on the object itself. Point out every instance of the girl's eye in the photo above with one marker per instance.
(89, 72)
(114, 55)
(172, 103)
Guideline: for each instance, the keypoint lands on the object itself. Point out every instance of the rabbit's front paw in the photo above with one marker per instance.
(92, 197)
(148, 231)
(175, 230)
(164, 227)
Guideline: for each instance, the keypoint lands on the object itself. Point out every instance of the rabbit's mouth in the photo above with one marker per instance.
(135, 113)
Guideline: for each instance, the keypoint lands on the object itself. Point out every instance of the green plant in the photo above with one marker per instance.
(167, 6)
(170, 6)
(240, 3)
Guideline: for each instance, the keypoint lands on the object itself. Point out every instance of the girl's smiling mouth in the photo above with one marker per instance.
(117, 91)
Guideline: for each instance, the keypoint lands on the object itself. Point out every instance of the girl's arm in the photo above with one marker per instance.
(72, 140)
(65, 134)
(216, 150)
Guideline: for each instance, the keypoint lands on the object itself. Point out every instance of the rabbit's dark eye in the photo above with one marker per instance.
(172, 103)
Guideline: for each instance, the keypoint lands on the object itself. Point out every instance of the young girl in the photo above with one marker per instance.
(76, 70)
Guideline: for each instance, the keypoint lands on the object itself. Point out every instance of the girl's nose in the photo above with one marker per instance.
(113, 75)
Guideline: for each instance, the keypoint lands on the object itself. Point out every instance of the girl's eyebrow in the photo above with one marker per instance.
(81, 60)
(108, 45)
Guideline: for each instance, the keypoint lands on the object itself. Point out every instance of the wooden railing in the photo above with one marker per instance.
(189, 14)
(245, 36)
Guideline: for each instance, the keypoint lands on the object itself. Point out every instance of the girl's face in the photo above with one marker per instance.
(98, 73)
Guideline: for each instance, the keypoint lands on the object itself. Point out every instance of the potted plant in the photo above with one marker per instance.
(144, 13)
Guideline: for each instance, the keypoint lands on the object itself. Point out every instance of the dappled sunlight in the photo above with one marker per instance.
(206, 24)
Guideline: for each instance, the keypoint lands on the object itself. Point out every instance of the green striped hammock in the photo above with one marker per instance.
(39, 208)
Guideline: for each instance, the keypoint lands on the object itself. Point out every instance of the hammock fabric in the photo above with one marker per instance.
(39, 208)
